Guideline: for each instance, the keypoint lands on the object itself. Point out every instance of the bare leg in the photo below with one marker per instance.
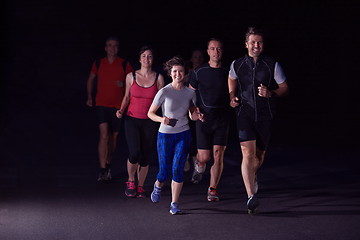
(111, 146)
(249, 165)
(103, 144)
(142, 173)
(131, 168)
(176, 190)
(203, 156)
(217, 168)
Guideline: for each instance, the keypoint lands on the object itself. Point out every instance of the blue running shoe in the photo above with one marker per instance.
(155, 195)
(174, 208)
(252, 204)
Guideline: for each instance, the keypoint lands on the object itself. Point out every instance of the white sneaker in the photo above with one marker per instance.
(199, 168)
(198, 172)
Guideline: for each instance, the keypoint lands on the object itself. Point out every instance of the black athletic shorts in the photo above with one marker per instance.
(249, 130)
(214, 131)
(108, 115)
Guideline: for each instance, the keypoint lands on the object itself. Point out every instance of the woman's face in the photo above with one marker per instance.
(177, 73)
(146, 58)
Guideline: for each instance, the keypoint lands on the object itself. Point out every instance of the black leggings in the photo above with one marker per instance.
(140, 137)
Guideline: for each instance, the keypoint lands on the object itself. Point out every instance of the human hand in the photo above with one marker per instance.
(119, 113)
(234, 102)
(264, 91)
(89, 102)
(165, 120)
(200, 115)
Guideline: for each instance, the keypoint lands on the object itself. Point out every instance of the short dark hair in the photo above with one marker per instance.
(112, 38)
(175, 61)
(146, 48)
(215, 39)
(253, 31)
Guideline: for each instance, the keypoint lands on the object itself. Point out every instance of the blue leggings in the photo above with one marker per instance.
(173, 149)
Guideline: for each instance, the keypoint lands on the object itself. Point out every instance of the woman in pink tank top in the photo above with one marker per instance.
(141, 88)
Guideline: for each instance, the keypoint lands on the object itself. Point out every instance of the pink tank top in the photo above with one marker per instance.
(141, 99)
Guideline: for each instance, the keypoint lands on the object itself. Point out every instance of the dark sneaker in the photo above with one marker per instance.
(174, 208)
(140, 192)
(155, 195)
(212, 195)
(130, 190)
(198, 172)
(102, 175)
(252, 204)
(108, 174)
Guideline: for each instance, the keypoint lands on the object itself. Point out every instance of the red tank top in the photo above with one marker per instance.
(141, 99)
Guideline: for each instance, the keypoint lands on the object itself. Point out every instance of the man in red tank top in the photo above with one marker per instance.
(110, 72)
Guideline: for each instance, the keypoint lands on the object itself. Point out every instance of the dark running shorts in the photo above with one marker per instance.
(249, 130)
(214, 131)
(108, 115)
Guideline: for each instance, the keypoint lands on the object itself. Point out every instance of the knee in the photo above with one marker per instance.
(218, 155)
(203, 157)
(104, 137)
(133, 160)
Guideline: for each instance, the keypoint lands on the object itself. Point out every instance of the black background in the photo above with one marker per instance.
(49, 46)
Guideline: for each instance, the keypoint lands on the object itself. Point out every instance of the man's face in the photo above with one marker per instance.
(215, 51)
(112, 48)
(255, 45)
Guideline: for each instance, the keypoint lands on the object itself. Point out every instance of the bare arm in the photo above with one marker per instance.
(232, 91)
(283, 90)
(156, 118)
(125, 102)
(89, 89)
(160, 82)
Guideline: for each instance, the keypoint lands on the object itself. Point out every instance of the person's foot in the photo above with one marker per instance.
(140, 192)
(252, 204)
(108, 174)
(212, 195)
(102, 177)
(174, 208)
(198, 172)
(130, 190)
(155, 195)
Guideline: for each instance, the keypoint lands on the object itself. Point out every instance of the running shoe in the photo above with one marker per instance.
(174, 208)
(140, 192)
(108, 174)
(252, 204)
(198, 172)
(212, 195)
(130, 190)
(102, 175)
(155, 195)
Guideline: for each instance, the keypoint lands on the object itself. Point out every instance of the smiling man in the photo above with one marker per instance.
(254, 81)
(210, 82)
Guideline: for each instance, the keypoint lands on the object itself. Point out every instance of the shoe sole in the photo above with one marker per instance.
(130, 195)
(175, 213)
(213, 199)
(253, 212)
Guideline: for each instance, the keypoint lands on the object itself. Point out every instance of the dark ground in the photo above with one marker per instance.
(309, 184)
